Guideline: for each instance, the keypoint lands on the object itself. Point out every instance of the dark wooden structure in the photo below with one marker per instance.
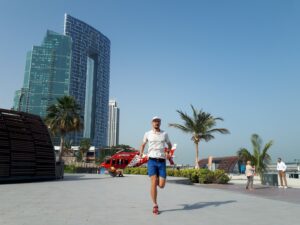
(26, 150)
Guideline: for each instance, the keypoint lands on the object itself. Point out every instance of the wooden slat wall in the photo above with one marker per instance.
(26, 149)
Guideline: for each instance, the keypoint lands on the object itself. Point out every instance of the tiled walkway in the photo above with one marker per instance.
(99, 199)
(291, 195)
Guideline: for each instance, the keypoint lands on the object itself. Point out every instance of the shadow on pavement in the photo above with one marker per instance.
(180, 181)
(199, 205)
(67, 177)
(291, 195)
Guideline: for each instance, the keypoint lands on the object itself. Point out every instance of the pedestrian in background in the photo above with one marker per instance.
(250, 170)
(281, 168)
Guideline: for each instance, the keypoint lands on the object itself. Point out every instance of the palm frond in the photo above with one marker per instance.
(265, 156)
(188, 121)
(207, 137)
(219, 118)
(219, 130)
(195, 113)
(244, 155)
(180, 127)
(256, 142)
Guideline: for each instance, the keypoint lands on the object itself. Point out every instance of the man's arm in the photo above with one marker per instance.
(142, 148)
(169, 146)
(167, 140)
(284, 167)
(168, 155)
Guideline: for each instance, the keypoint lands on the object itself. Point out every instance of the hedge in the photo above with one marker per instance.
(70, 169)
(202, 176)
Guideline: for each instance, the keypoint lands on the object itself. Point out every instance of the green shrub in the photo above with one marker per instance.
(69, 168)
(221, 177)
(170, 172)
(177, 173)
(206, 176)
(203, 176)
(143, 171)
(194, 176)
(127, 170)
(136, 170)
(186, 173)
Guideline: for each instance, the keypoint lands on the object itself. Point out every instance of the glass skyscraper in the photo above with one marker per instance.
(47, 74)
(89, 80)
(77, 64)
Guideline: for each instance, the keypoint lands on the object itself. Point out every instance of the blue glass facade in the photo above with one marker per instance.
(89, 79)
(46, 76)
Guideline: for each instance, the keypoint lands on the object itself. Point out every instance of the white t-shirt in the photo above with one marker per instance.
(281, 166)
(157, 142)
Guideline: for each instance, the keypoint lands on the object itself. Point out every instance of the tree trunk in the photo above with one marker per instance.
(197, 155)
(62, 142)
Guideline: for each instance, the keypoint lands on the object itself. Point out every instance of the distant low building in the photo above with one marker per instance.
(229, 164)
(291, 167)
(69, 156)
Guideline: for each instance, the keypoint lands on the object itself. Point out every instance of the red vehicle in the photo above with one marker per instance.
(122, 159)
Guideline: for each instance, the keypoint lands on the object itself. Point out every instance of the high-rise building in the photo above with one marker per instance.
(77, 64)
(47, 74)
(113, 123)
(89, 81)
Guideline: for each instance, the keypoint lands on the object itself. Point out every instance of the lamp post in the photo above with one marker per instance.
(298, 163)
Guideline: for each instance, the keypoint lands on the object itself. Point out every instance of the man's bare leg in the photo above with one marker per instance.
(154, 189)
(160, 182)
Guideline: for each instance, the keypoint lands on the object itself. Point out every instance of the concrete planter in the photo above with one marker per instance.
(270, 179)
(59, 170)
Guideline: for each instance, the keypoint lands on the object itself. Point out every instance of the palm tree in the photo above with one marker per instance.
(84, 146)
(200, 125)
(63, 118)
(67, 149)
(260, 157)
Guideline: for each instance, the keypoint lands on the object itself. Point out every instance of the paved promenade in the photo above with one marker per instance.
(100, 199)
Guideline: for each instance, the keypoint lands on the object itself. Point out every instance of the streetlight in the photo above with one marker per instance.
(298, 163)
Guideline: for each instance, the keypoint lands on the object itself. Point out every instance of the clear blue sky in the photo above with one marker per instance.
(236, 59)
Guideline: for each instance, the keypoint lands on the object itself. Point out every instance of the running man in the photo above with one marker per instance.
(157, 139)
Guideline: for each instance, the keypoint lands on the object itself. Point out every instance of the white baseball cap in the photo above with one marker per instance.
(156, 118)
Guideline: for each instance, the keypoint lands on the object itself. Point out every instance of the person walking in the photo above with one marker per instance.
(157, 140)
(250, 170)
(281, 168)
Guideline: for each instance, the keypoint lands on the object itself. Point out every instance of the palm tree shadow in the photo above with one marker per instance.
(198, 205)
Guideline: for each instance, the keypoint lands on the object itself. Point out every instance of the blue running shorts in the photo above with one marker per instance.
(157, 167)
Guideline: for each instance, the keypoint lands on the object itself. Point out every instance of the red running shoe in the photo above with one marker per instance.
(155, 210)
